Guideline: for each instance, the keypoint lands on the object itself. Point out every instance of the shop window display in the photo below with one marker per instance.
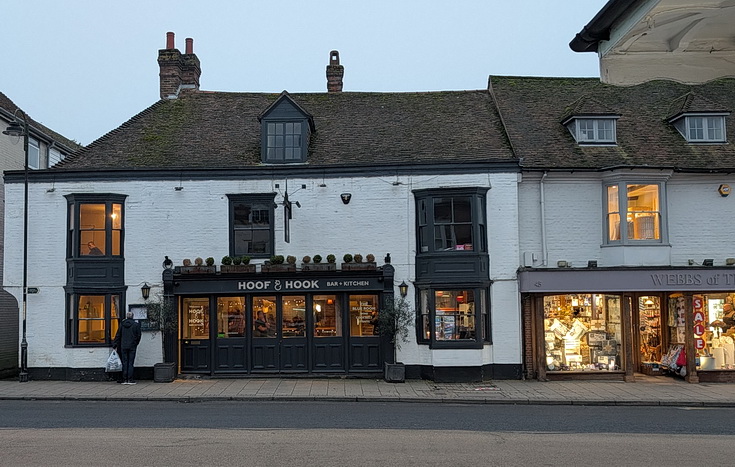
(714, 331)
(582, 332)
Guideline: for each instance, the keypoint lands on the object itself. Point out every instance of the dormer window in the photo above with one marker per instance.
(592, 130)
(705, 129)
(283, 142)
(285, 129)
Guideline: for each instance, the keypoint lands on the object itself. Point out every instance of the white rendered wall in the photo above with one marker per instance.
(194, 222)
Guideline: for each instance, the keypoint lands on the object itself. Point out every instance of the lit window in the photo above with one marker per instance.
(96, 225)
(93, 319)
(640, 205)
(452, 317)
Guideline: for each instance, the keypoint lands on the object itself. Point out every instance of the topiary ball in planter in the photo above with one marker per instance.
(187, 262)
(370, 258)
(357, 258)
(317, 258)
(290, 259)
(226, 260)
(306, 259)
(245, 259)
(347, 258)
(237, 260)
(210, 261)
(276, 259)
(198, 261)
(331, 258)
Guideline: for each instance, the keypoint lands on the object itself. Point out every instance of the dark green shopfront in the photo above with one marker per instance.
(287, 323)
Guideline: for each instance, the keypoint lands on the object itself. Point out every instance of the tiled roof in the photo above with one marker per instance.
(533, 108)
(221, 130)
(693, 102)
(9, 106)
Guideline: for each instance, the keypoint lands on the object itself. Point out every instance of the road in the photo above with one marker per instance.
(268, 433)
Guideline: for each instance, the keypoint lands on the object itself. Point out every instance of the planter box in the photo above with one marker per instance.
(164, 372)
(319, 267)
(395, 373)
(278, 268)
(197, 269)
(359, 266)
(239, 269)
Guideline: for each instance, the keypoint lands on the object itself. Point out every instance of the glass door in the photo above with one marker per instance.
(195, 345)
(648, 335)
(231, 343)
(265, 334)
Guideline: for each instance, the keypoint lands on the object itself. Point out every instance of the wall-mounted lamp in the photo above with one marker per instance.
(724, 190)
(708, 262)
(178, 188)
(562, 264)
(403, 289)
(346, 197)
(690, 262)
(145, 291)
(592, 263)
(167, 263)
(730, 261)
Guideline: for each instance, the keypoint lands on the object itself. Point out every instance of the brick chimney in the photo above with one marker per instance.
(178, 72)
(335, 73)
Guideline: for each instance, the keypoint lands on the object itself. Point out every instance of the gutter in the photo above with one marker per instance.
(598, 29)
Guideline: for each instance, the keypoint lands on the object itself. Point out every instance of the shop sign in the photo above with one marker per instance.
(307, 285)
(697, 306)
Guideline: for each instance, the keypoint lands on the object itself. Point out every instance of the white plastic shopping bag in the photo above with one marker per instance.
(113, 362)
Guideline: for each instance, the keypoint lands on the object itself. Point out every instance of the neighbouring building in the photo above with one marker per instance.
(45, 149)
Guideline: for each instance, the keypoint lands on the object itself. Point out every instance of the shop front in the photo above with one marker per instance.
(297, 323)
(615, 323)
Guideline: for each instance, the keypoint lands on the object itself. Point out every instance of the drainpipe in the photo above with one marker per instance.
(544, 259)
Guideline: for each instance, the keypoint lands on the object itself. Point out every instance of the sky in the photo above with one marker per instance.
(84, 67)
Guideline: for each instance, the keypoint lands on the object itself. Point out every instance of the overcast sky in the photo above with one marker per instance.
(83, 67)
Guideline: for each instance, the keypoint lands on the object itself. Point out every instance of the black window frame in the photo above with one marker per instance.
(303, 137)
(426, 223)
(74, 203)
(483, 327)
(268, 199)
(72, 314)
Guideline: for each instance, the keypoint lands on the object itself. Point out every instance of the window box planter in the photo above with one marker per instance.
(359, 266)
(319, 267)
(278, 268)
(164, 372)
(237, 269)
(197, 269)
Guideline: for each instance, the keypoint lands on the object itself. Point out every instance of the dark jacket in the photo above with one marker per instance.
(128, 335)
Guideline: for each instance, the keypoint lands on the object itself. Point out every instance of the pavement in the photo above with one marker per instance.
(646, 391)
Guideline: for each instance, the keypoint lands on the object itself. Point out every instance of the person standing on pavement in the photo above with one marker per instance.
(126, 343)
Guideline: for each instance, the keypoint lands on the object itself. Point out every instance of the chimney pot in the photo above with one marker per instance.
(189, 45)
(169, 40)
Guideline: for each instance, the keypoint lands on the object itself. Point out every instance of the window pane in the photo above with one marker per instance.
(443, 238)
(230, 317)
(91, 315)
(34, 154)
(643, 212)
(297, 127)
(264, 317)
(442, 210)
(455, 315)
(714, 128)
(196, 318)
(363, 315)
(425, 314)
(462, 210)
(582, 332)
(327, 316)
(696, 128)
(463, 236)
(92, 229)
(294, 316)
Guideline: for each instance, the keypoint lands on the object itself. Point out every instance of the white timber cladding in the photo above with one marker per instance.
(699, 221)
(194, 222)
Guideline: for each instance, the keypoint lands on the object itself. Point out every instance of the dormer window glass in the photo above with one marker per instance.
(705, 129)
(593, 130)
(284, 142)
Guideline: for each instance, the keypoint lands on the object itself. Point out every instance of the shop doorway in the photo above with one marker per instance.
(648, 335)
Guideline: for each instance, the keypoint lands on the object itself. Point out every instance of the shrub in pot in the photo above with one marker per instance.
(226, 260)
(306, 259)
(370, 258)
(331, 258)
(210, 261)
(357, 257)
(317, 258)
(290, 259)
(347, 258)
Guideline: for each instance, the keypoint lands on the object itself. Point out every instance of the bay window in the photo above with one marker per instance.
(93, 318)
(456, 317)
(633, 212)
(96, 225)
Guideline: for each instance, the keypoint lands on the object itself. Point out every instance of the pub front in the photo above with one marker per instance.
(287, 323)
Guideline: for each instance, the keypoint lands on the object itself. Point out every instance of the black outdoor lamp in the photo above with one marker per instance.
(16, 130)
(403, 289)
(167, 263)
(145, 291)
